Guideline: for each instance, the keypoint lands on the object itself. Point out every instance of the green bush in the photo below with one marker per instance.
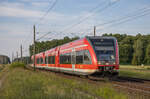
(17, 64)
(148, 68)
(2, 67)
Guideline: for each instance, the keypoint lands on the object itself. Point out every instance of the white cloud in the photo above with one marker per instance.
(40, 4)
(114, 0)
(18, 12)
(14, 4)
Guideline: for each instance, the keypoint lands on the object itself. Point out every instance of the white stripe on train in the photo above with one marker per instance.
(73, 48)
(69, 70)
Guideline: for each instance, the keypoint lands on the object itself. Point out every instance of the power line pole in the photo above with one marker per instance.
(21, 52)
(12, 56)
(17, 56)
(34, 46)
(94, 30)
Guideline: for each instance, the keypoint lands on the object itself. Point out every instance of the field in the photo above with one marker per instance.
(21, 83)
(26, 84)
(142, 72)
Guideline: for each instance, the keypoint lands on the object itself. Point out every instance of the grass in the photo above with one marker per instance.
(135, 67)
(1, 67)
(135, 71)
(17, 64)
(25, 84)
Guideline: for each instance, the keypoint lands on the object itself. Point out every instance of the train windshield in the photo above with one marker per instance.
(104, 49)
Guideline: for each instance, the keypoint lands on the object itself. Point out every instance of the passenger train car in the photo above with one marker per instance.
(87, 56)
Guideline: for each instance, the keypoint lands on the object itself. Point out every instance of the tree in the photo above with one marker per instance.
(45, 45)
(147, 56)
(125, 53)
(138, 55)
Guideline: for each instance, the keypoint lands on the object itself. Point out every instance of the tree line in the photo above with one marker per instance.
(133, 50)
(45, 45)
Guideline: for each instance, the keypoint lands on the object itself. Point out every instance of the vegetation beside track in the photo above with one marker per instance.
(142, 72)
(17, 64)
(26, 84)
(1, 67)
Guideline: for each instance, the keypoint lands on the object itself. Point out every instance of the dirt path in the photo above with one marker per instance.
(2, 80)
(0, 84)
(3, 76)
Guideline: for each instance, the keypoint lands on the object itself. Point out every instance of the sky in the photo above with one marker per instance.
(68, 18)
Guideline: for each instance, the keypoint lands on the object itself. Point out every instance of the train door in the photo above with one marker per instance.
(46, 60)
(57, 58)
(73, 59)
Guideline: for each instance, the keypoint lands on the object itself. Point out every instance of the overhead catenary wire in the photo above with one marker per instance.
(42, 17)
(43, 36)
(129, 19)
(133, 14)
(46, 13)
(137, 12)
(92, 10)
(113, 22)
(85, 18)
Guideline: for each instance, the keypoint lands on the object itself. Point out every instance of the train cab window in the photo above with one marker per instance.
(79, 57)
(65, 58)
(87, 57)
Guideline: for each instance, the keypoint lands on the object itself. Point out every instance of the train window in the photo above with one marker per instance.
(41, 60)
(46, 62)
(83, 57)
(32, 61)
(73, 57)
(65, 58)
(37, 61)
(87, 57)
(51, 59)
(79, 57)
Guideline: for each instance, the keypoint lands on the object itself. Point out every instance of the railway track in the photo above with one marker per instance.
(134, 87)
(134, 83)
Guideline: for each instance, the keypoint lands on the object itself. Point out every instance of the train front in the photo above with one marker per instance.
(106, 50)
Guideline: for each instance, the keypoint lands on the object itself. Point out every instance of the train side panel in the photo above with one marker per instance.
(77, 57)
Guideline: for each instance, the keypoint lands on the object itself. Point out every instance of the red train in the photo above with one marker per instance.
(87, 56)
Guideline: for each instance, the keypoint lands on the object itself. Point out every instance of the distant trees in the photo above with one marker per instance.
(45, 45)
(138, 54)
(132, 49)
(147, 55)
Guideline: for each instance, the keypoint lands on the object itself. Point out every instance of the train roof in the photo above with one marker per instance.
(76, 42)
(100, 37)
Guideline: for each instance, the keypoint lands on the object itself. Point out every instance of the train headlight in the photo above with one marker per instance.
(99, 62)
(107, 63)
(114, 63)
